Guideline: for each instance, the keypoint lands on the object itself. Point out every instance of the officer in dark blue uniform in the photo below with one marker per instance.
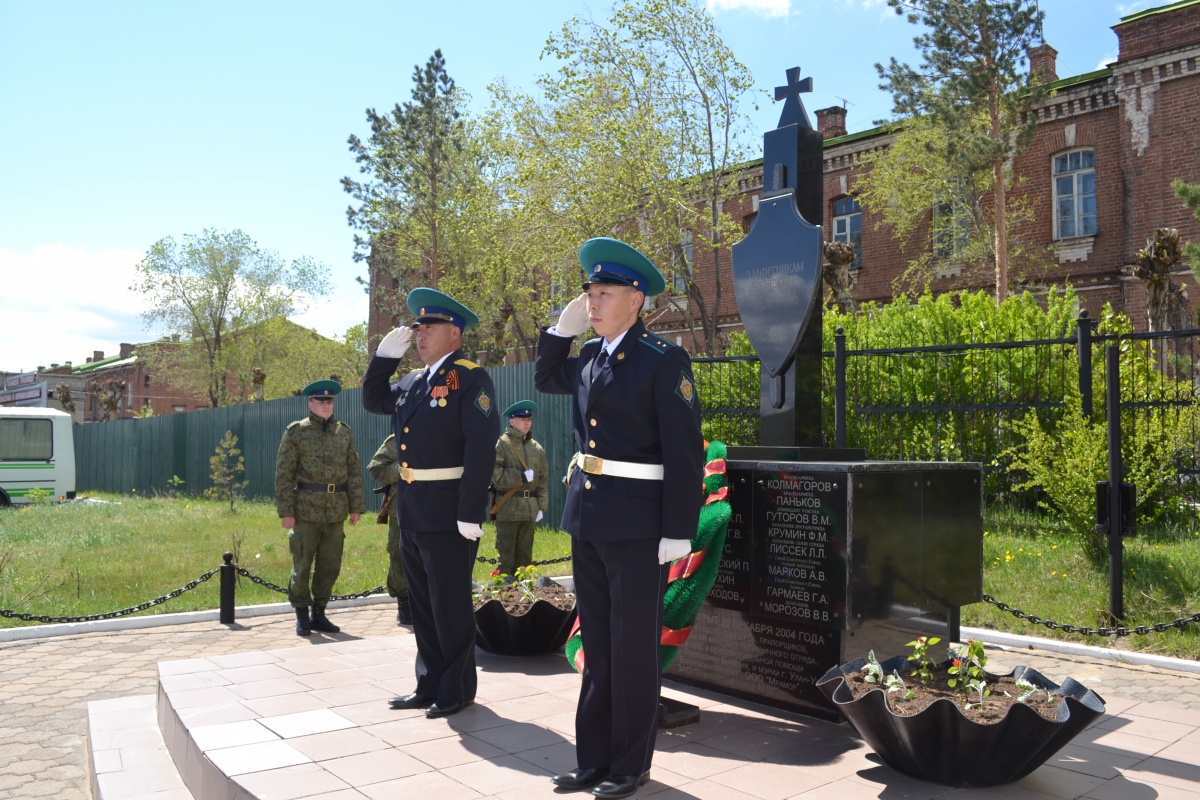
(446, 424)
(633, 503)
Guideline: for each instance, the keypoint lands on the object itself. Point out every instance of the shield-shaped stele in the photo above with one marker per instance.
(777, 280)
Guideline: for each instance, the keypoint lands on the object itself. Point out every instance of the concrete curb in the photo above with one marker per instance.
(1070, 648)
(161, 620)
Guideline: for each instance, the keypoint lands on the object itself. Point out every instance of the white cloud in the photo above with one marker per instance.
(1125, 9)
(60, 304)
(767, 8)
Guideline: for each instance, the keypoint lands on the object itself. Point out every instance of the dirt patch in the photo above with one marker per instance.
(515, 602)
(995, 706)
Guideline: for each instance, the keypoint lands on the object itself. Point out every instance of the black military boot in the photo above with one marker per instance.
(403, 614)
(303, 626)
(320, 622)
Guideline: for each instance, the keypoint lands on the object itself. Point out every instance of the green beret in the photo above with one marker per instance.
(429, 305)
(523, 408)
(324, 388)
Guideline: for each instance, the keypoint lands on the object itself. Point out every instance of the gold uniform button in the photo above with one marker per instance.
(406, 430)
(591, 444)
(593, 422)
(587, 484)
(403, 447)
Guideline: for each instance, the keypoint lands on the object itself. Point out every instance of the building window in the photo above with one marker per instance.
(1075, 194)
(951, 229)
(147, 380)
(179, 409)
(847, 226)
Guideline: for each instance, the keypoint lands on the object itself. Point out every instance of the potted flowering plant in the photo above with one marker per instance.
(954, 723)
(522, 615)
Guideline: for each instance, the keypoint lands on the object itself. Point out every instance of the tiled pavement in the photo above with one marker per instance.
(1148, 748)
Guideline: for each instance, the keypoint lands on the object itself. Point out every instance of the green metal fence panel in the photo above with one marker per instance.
(144, 454)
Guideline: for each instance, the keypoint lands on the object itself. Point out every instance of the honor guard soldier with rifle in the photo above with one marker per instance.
(446, 424)
(521, 481)
(318, 482)
(633, 503)
(385, 469)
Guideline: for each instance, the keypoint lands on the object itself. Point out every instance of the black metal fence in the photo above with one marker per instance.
(960, 401)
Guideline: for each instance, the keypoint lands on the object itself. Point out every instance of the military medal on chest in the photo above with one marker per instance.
(438, 394)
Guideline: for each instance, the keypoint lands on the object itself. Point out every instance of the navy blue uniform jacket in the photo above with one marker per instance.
(643, 408)
(463, 434)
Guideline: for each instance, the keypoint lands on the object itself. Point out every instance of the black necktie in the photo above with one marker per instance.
(598, 363)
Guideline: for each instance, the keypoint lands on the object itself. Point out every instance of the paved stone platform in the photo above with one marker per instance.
(1146, 748)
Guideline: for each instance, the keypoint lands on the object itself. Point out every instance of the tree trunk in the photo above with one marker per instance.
(1000, 193)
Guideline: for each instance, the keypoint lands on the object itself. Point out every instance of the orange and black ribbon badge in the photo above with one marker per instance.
(452, 380)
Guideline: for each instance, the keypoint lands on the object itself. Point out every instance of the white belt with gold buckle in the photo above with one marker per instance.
(594, 465)
(408, 475)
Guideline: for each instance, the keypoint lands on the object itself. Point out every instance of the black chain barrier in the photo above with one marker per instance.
(276, 588)
(124, 612)
(483, 560)
(1119, 630)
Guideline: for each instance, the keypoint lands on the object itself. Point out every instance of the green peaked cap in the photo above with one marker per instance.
(429, 305)
(606, 260)
(324, 388)
(522, 408)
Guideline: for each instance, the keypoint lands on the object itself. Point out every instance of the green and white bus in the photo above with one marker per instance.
(37, 451)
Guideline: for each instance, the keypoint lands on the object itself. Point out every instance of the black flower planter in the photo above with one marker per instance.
(940, 745)
(544, 628)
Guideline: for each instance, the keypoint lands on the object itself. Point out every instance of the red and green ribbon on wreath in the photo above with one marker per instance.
(692, 576)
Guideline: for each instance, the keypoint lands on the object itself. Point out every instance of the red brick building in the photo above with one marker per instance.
(1098, 174)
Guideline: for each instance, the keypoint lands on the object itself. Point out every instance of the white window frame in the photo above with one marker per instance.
(1076, 177)
(846, 235)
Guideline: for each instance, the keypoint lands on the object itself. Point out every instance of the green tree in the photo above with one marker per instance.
(1189, 193)
(636, 135)
(227, 465)
(207, 289)
(408, 207)
(967, 104)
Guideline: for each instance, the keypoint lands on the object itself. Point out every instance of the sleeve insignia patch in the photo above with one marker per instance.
(484, 403)
(685, 389)
(462, 362)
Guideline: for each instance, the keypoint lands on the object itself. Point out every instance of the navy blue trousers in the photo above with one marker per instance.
(619, 588)
(438, 567)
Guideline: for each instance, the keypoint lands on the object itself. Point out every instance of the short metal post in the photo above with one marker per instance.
(1116, 567)
(839, 387)
(1083, 337)
(228, 584)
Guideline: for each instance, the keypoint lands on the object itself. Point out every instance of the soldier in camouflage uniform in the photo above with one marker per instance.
(521, 481)
(318, 483)
(385, 469)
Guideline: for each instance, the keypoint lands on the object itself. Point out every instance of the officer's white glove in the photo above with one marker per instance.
(574, 318)
(470, 530)
(538, 518)
(529, 475)
(395, 344)
(673, 549)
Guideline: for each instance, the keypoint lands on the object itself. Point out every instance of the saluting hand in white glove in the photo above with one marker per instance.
(673, 549)
(574, 318)
(470, 530)
(395, 344)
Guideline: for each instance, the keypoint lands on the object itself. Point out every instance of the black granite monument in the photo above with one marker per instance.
(829, 555)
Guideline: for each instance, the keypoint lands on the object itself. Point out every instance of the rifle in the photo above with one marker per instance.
(386, 491)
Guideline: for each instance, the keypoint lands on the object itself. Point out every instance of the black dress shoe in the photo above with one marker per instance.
(414, 700)
(579, 779)
(615, 787)
(403, 613)
(435, 710)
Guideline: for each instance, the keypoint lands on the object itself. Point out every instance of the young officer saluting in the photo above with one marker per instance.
(445, 422)
(633, 503)
(317, 483)
(521, 480)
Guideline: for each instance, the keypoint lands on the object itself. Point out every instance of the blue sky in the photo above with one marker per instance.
(124, 122)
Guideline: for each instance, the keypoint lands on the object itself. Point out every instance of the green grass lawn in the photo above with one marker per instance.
(1036, 568)
(76, 559)
(90, 558)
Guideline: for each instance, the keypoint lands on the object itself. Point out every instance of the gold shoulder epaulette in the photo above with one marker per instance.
(462, 362)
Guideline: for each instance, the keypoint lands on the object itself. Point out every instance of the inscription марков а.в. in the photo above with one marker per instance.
(799, 562)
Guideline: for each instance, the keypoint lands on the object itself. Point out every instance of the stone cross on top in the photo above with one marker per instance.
(793, 108)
